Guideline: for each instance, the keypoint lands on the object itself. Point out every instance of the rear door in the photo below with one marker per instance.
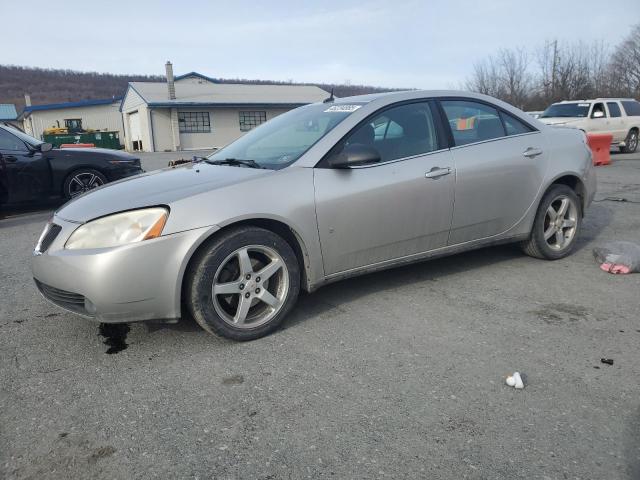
(24, 175)
(500, 163)
(396, 208)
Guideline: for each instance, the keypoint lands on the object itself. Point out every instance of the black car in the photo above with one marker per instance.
(32, 171)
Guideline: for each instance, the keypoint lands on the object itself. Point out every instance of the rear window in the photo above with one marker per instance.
(631, 108)
(566, 110)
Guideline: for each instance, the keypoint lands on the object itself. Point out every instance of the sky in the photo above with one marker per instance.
(390, 43)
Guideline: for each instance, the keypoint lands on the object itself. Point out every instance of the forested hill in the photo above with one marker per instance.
(53, 86)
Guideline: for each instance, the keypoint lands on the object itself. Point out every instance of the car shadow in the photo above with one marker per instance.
(597, 218)
(330, 297)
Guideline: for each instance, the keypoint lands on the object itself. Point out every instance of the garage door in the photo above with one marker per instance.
(135, 132)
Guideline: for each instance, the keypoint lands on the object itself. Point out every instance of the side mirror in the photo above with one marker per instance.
(354, 155)
(597, 114)
(45, 147)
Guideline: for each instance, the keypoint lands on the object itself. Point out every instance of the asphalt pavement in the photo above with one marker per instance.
(398, 374)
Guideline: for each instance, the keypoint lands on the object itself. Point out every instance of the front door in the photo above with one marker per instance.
(24, 175)
(398, 207)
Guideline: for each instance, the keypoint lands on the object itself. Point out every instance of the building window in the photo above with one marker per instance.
(73, 123)
(194, 122)
(249, 120)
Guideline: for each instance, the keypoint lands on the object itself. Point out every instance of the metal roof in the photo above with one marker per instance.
(8, 111)
(195, 74)
(81, 103)
(228, 94)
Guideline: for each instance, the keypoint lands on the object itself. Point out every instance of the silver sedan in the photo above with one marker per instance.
(321, 193)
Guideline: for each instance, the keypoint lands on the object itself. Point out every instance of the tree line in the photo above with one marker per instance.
(59, 86)
(554, 71)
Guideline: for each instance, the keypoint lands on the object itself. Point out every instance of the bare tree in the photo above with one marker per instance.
(625, 65)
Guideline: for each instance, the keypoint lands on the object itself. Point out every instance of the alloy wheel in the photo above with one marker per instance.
(250, 286)
(83, 182)
(560, 222)
(632, 141)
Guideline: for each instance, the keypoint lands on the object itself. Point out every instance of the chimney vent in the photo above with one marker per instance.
(27, 99)
(170, 84)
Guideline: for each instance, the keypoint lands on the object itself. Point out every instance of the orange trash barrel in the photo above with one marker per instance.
(600, 145)
(77, 145)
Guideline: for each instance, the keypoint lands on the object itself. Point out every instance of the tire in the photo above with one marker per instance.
(81, 181)
(631, 142)
(245, 308)
(560, 240)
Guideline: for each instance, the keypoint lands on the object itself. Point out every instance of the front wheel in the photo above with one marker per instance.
(82, 181)
(243, 284)
(556, 226)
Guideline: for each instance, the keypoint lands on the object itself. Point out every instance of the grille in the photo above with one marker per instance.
(47, 239)
(62, 298)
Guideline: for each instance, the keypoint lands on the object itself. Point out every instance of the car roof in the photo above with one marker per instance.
(601, 99)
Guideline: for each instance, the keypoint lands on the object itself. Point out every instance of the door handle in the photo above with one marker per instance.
(532, 152)
(9, 158)
(436, 172)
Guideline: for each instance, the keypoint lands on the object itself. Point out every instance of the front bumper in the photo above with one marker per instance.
(139, 281)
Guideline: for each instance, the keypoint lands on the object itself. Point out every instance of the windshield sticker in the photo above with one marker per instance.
(583, 104)
(343, 108)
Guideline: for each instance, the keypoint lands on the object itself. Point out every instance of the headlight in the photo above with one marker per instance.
(119, 229)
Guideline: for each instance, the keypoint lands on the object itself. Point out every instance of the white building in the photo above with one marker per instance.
(195, 112)
(102, 115)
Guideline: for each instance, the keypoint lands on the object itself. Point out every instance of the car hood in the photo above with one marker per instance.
(560, 120)
(160, 187)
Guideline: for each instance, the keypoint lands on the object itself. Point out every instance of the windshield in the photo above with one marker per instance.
(281, 141)
(23, 136)
(567, 110)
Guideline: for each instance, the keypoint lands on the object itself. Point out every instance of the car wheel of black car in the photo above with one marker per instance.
(82, 180)
(631, 142)
(556, 226)
(242, 285)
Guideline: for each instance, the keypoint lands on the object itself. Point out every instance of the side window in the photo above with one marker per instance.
(472, 121)
(631, 108)
(513, 125)
(614, 109)
(398, 132)
(11, 142)
(598, 111)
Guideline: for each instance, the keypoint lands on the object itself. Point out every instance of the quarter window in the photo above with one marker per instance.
(614, 109)
(250, 120)
(472, 121)
(631, 108)
(513, 126)
(194, 122)
(399, 132)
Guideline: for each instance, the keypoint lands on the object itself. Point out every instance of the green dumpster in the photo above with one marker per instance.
(99, 139)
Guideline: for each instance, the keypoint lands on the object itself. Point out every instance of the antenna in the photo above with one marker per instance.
(330, 98)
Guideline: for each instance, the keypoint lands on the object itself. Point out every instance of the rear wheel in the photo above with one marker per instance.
(81, 181)
(556, 226)
(243, 284)
(631, 142)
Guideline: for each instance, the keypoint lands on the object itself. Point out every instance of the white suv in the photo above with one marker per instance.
(619, 117)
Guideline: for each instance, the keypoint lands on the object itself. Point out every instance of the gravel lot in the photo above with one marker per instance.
(397, 374)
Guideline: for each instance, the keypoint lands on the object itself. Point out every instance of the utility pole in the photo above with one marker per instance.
(554, 66)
